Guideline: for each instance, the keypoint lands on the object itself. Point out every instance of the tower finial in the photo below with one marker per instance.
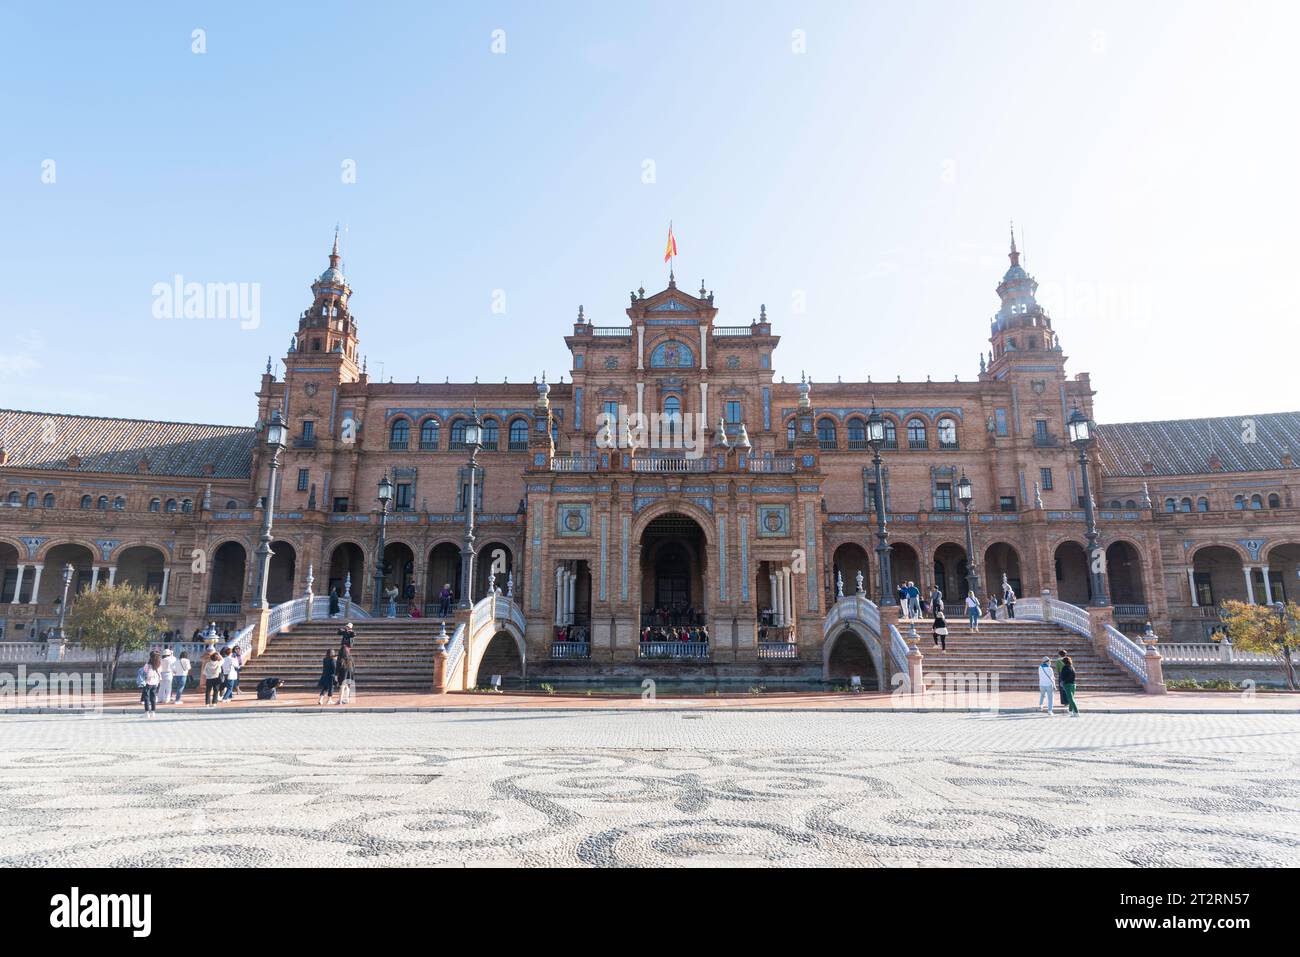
(1015, 253)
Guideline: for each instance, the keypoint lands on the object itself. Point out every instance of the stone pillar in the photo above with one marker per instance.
(167, 575)
(559, 593)
(1191, 586)
(36, 584)
(1268, 586)
(1249, 572)
(771, 578)
(570, 604)
(112, 575)
(18, 585)
(1155, 669)
(915, 673)
(1098, 619)
(439, 664)
(787, 593)
(94, 577)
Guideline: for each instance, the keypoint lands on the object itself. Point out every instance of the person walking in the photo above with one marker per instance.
(211, 680)
(914, 599)
(390, 594)
(346, 635)
(147, 680)
(334, 601)
(1009, 599)
(328, 673)
(165, 672)
(973, 611)
(1046, 685)
(1057, 664)
(345, 674)
(237, 654)
(903, 607)
(1069, 681)
(444, 601)
(936, 597)
(180, 676)
(993, 607)
(940, 628)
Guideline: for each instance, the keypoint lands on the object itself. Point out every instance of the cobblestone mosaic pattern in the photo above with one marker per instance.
(659, 789)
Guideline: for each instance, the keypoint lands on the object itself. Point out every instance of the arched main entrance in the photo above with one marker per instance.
(347, 566)
(493, 554)
(1000, 559)
(1219, 575)
(905, 566)
(141, 566)
(444, 569)
(1073, 584)
(851, 560)
(281, 578)
(673, 556)
(228, 569)
(9, 560)
(1124, 574)
(82, 560)
(950, 572)
(399, 563)
(1284, 572)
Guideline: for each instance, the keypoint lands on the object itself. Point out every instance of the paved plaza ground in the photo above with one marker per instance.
(649, 787)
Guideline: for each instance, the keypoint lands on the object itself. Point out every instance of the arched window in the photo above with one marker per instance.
(916, 434)
(171, 505)
(429, 435)
(1275, 501)
(85, 501)
(1115, 504)
(1257, 501)
(48, 501)
(399, 436)
(789, 434)
(1171, 505)
(672, 423)
(101, 503)
(947, 430)
(31, 499)
(555, 433)
(1202, 504)
(1239, 502)
(826, 433)
(1185, 505)
(1130, 504)
(155, 505)
(15, 499)
(672, 355)
(232, 504)
(119, 504)
(519, 435)
(891, 434)
(491, 434)
(457, 435)
(187, 505)
(857, 429)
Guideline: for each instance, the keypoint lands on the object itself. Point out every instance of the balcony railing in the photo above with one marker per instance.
(574, 463)
(857, 445)
(397, 445)
(618, 332)
(780, 465)
(917, 444)
(519, 445)
(570, 650)
(777, 651)
(1131, 611)
(732, 331)
(665, 463)
(428, 445)
(1046, 441)
(674, 650)
(224, 608)
(827, 444)
(304, 442)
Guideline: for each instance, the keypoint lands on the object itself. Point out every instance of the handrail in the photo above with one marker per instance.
(1128, 653)
(898, 652)
(1053, 609)
(1216, 652)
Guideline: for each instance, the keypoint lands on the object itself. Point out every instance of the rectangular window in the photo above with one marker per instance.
(402, 497)
(1000, 421)
(1045, 479)
(341, 504)
(308, 433)
(577, 360)
(304, 477)
(1204, 591)
(611, 413)
(1007, 503)
(733, 412)
(943, 496)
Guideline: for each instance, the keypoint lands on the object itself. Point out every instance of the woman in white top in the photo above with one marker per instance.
(973, 611)
(1046, 685)
(147, 680)
(180, 675)
(165, 673)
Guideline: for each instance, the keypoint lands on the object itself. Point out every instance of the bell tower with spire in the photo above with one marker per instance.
(1022, 330)
(327, 333)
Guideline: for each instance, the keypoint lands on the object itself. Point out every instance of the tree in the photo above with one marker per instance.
(116, 619)
(1270, 629)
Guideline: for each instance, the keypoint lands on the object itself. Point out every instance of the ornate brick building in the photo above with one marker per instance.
(744, 500)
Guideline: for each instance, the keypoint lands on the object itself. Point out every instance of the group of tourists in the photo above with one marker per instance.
(572, 633)
(696, 633)
(677, 615)
(338, 671)
(1057, 675)
(163, 677)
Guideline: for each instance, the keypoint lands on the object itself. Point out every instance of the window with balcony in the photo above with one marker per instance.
(402, 497)
(891, 434)
(429, 435)
(1007, 503)
(947, 430)
(399, 436)
(457, 440)
(916, 438)
(857, 434)
(734, 412)
(341, 503)
(943, 496)
(491, 434)
(519, 435)
(789, 434)
(826, 433)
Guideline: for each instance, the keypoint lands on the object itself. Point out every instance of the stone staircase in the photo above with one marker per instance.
(1012, 649)
(392, 655)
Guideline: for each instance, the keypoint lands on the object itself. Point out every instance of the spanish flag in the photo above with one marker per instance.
(671, 251)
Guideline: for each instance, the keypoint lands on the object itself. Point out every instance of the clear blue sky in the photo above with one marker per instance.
(1149, 151)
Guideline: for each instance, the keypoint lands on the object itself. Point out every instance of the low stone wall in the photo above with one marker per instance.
(1261, 674)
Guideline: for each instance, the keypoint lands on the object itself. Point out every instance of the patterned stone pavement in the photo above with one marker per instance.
(650, 788)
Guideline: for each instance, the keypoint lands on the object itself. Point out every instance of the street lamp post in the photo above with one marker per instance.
(1081, 438)
(63, 605)
(473, 441)
(275, 431)
(876, 439)
(964, 494)
(385, 496)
